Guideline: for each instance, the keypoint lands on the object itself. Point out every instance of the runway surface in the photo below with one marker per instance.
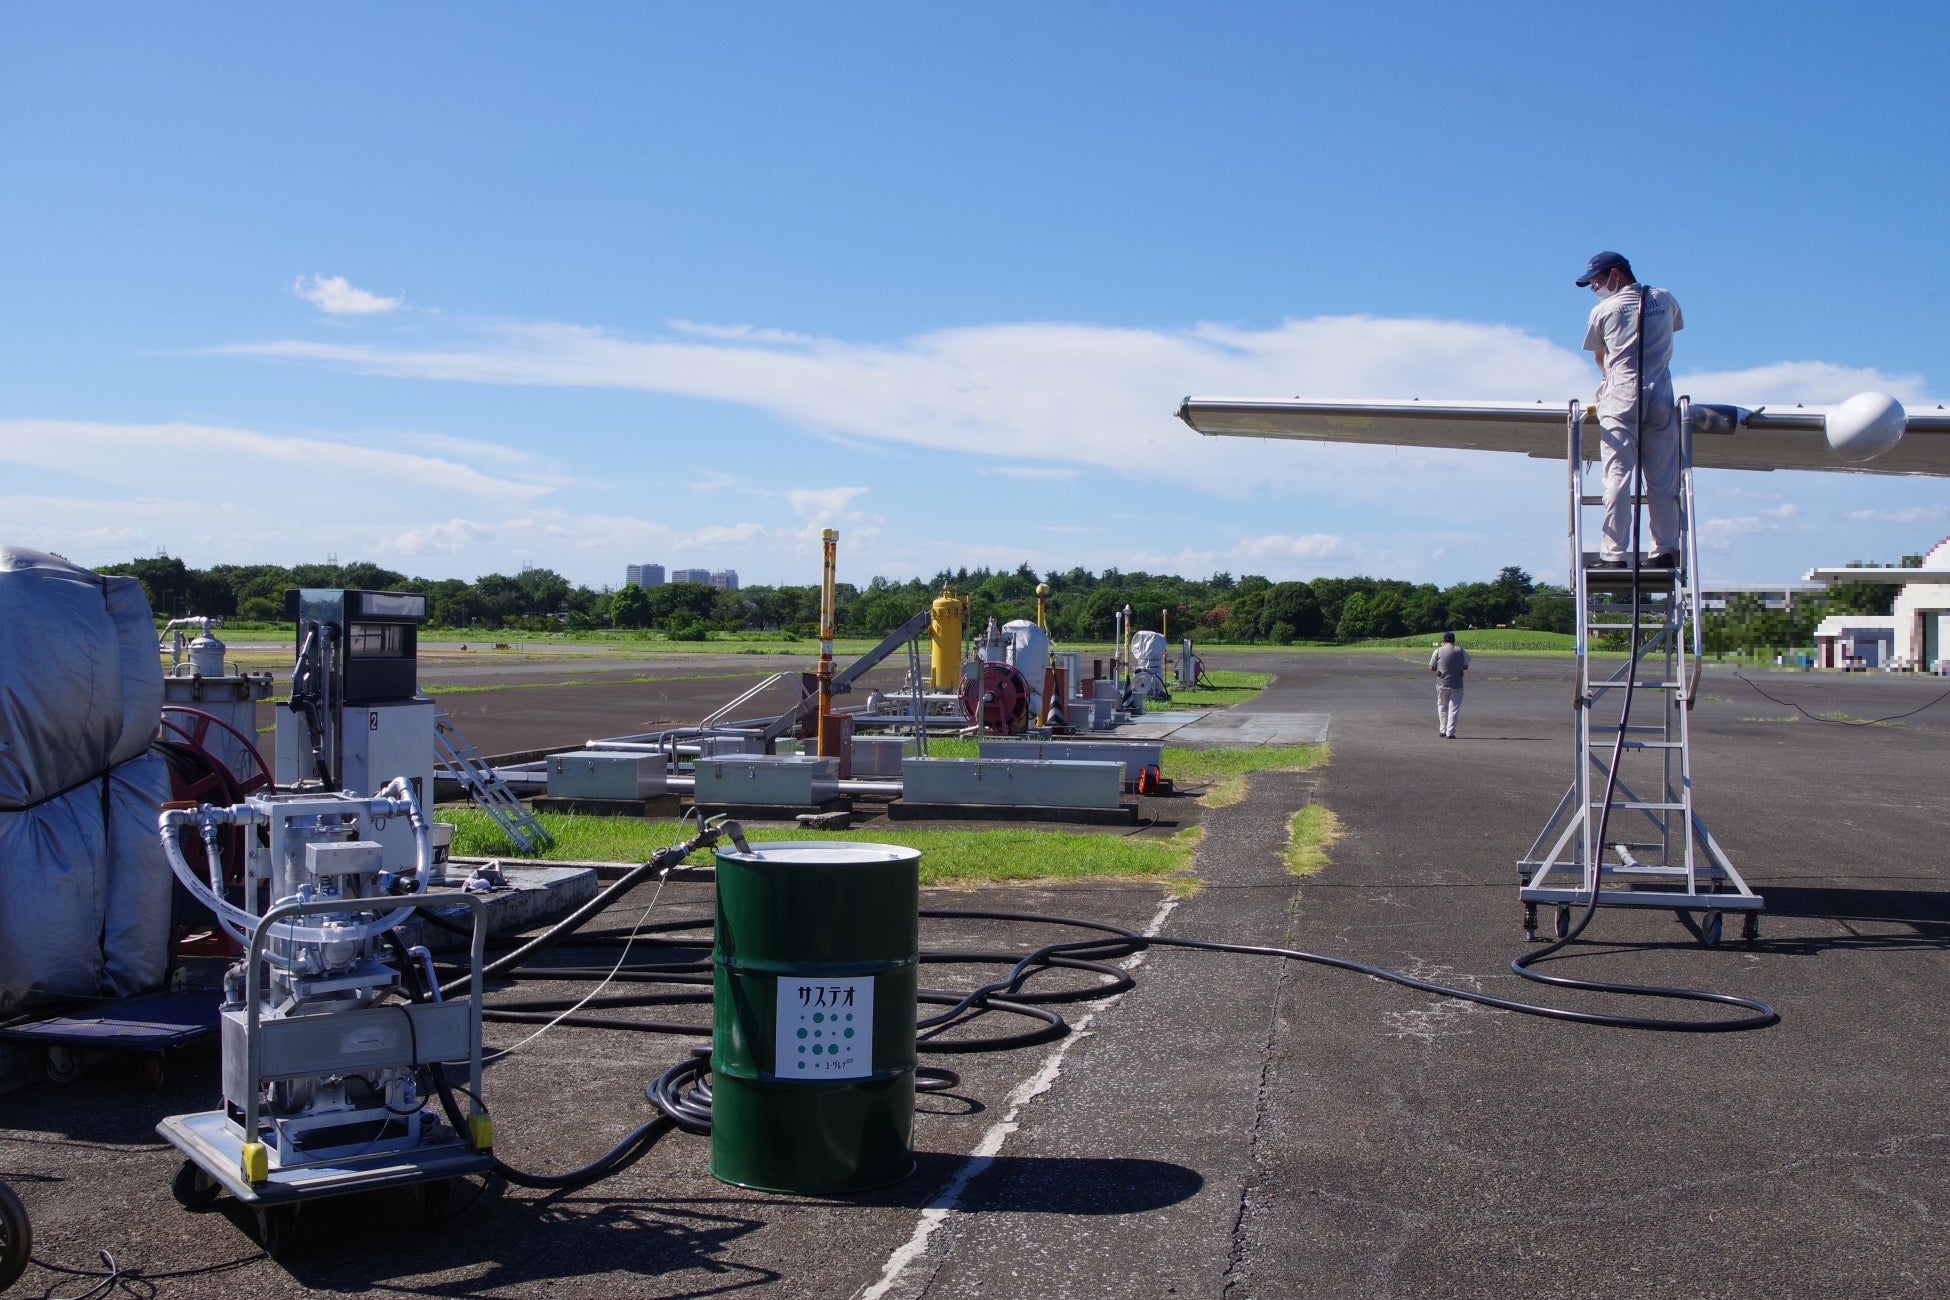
(1245, 1127)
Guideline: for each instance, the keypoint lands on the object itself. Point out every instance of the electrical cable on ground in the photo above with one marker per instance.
(1841, 722)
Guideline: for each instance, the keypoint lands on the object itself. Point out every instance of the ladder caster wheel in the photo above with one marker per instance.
(1561, 926)
(1530, 922)
(1710, 928)
(192, 1188)
(64, 1065)
(436, 1203)
(277, 1230)
(1750, 930)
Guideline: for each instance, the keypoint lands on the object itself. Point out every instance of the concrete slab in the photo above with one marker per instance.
(539, 894)
(1240, 728)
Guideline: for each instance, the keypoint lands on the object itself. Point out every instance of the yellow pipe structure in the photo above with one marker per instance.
(944, 639)
(827, 737)
(1042, 605)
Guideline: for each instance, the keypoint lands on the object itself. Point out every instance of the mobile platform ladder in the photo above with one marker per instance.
(1655, 850)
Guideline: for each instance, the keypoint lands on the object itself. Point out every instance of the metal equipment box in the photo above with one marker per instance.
(785, 779)
(879, 757)
(605, 774)
(1029, 782)
(739, 742)
(348, 1041)
(1135, 755)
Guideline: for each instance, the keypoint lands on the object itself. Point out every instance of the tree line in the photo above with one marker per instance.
(1081, 605)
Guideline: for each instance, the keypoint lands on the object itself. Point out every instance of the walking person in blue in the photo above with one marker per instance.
(1449, 662)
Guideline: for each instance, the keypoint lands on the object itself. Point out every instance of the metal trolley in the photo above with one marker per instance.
(232, 1149)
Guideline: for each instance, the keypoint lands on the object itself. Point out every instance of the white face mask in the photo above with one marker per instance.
(1602, 292)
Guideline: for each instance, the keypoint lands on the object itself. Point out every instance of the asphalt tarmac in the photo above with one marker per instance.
(1248, 1127)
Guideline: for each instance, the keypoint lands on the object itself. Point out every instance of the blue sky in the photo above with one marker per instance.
(456, 288)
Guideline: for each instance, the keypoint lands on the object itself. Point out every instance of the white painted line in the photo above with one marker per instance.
(948, 1200)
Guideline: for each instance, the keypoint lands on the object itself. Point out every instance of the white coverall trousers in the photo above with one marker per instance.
(1448, 707)
(1660, 447)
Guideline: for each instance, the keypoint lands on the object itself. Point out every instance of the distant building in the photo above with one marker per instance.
(691, 575)
(644, 575)
(1777, 597)
(1914, 636)
(725, 580)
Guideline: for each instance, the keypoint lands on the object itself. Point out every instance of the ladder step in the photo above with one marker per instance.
(1644, 686)
(1655, 744)
(1599, 500)
(1636, 805)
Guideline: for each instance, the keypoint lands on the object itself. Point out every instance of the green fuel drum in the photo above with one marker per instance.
(812, 1046)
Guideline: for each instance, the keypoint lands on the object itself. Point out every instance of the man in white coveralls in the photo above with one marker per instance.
(1637, 385)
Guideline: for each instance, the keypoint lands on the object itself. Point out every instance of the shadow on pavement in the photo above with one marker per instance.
(507, 1243)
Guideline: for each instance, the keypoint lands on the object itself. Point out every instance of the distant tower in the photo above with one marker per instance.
(653, 575)
(725, 580)
(633, 575)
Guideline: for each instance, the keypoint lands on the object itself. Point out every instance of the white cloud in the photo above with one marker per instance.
(1313, 546)
(1720, 534)
(450, 538)
(740, 333)
(139, 456)
(1910, 515)
(334, 296)
(1033, 473)
(1797, 381)
(1090, 394)
(820, 505)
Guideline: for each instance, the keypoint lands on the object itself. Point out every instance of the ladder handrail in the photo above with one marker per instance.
(484, 785)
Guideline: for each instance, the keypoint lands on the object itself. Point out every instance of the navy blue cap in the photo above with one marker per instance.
(1601, 263)
(1449, 636)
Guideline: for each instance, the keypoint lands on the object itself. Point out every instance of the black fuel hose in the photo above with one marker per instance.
(662, 860)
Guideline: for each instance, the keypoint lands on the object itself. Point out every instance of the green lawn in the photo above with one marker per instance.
(948, 857)
(1007, 854)
(1494, 641)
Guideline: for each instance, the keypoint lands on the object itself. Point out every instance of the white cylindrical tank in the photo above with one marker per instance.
(206, 656)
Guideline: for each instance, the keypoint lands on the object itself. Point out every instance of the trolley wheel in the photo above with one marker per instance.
(1561, 926)
(277, 1229)
(1710, 928)
(64, 1064)
(1750, 930)
(16, 1237)
(153, 1072)
(192, 1188)
(1530, 922)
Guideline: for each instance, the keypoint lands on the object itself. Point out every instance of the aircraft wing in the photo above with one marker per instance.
(1724, 437)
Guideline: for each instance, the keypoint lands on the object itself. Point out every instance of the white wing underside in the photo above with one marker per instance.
(1724, 437)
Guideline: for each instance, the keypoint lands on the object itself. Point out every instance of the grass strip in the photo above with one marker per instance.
(1221, 687)
(1310, 833)
(1009, 855)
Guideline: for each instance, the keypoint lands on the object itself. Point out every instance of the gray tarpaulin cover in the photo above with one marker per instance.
(84, 889)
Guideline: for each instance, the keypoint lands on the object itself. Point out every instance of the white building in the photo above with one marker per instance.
(644, 575)
(1914, 637)
(702, 576)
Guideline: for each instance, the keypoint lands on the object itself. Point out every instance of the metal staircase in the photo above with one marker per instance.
(1633, 708)
(485, 786)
